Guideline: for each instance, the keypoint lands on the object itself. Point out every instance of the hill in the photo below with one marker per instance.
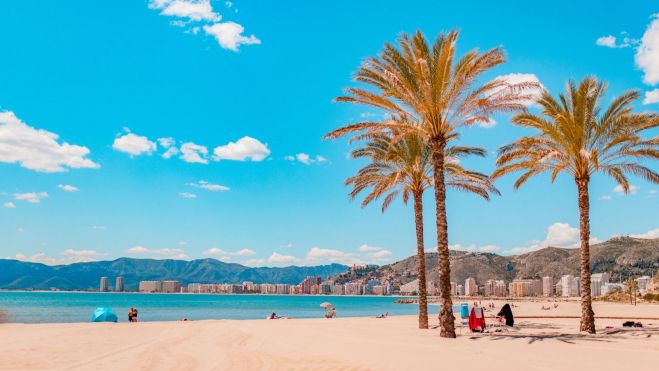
(620, 256)
(15, 275)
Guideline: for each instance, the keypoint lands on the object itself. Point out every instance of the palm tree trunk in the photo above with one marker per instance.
(423, 294)
(446, 319)
(587, 315)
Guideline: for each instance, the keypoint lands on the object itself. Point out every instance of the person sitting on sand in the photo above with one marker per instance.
(331, 313)
(274, 316)
(507, 314)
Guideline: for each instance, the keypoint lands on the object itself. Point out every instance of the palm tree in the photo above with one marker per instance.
(427, 84)
(402, 167)
(578, 138)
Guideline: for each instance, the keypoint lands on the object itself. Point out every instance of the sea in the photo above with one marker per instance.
(63, 307)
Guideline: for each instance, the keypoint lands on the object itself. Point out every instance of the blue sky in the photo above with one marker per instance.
(237, 96)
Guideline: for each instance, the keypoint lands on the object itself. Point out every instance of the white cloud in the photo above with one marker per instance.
(518, 78)
(647, 54)
(368, 248)
(208, 186)
(37, 149)
(558, 235)
(474, 248)
(226, 255)
(306, 159)
(69, 256)
(651, 96)
(31, 197)
(608, 41)
(215, 251)
(378, 256)
(167, 253)
(279, 259)
(254, 262)
(194, 10)
(9, 205)
(490, 123)
(632, 190)
(245, 252)
(68, 188)
(134, 145)
(243, 149)
(194, 153)
(605, 198)
(166, 142)
(651, 234)
(187, 195)
(317, 255)
(170, 152)
(230, 35)
(98, 227)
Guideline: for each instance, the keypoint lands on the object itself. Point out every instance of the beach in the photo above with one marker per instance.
(364, 343)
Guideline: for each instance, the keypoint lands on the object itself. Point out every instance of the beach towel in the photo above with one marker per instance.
(477, 319)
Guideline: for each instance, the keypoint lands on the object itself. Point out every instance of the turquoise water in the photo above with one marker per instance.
(41, 307)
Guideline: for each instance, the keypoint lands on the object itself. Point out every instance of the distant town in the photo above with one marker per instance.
(566, 286)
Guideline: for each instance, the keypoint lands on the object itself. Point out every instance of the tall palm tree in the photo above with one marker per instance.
(578, 138)
(403, 167)
(441, 93)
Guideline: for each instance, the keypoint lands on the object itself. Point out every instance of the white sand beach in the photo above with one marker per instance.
(338, 344)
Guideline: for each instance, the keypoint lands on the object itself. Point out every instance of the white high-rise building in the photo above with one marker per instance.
(547, 286)
(597, 282)
(104, 287)
(569, 285)
(471, 289)
(119, 284)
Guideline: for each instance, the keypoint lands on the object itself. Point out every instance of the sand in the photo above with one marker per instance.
(392, 343)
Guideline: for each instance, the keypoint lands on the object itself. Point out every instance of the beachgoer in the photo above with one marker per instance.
(130, 315)
(330, 313)
(134, 314)
(274, 316)
(507, 314)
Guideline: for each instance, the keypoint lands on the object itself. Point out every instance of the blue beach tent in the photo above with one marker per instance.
(104, 314)
(464, 310)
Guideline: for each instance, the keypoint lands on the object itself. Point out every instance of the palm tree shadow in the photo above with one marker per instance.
(605, 336)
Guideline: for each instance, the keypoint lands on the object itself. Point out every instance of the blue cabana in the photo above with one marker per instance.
(104, 314)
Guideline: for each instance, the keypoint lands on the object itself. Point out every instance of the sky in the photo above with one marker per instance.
(192, 129)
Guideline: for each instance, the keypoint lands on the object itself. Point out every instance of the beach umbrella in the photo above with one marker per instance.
(104, 314)
(326, 305)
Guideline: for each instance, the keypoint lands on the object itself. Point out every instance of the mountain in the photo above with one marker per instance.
(16, 274)
(620, 256)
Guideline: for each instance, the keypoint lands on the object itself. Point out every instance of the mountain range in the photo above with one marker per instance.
(622, 257)
(17, 275)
